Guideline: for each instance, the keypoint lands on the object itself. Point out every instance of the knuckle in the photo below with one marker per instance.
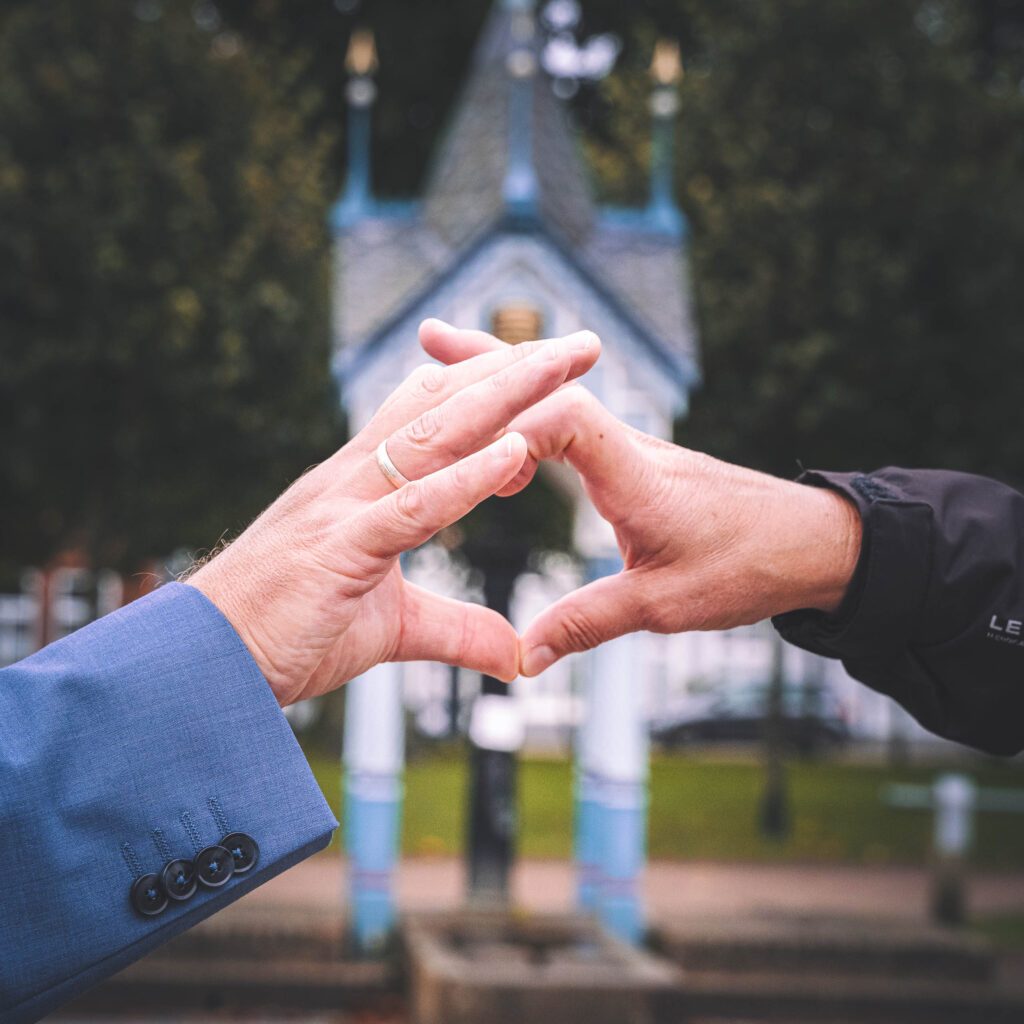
(524, 350)
(656, 612)
(425, 428)
(409, 502)
(655, 617)
(579, 632)
(461, 475)
(430, 379)
(500, 381)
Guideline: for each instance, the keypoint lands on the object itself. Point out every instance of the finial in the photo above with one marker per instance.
(666, 64)
(666, 70)
(361, 58)
(361, 91)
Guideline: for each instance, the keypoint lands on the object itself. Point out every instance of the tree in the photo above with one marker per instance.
(163, 304)
(853, 177)
(852, 174)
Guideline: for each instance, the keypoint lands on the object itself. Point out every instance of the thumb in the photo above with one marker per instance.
(600, 611)
(436, 628)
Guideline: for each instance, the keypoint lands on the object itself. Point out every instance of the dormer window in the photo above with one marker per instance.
(517, 322)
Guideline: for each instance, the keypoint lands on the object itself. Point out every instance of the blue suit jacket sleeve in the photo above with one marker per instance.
(148, 732)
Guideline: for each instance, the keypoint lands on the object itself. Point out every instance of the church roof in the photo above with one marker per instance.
(389, 260)
(465, 191)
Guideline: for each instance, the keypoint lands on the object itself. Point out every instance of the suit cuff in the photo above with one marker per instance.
(148, 735)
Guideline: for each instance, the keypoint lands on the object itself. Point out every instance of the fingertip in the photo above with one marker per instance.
(517, 446)
(430, 328)
(521, 480)
(433, 324)
(536, 659)
(584, 350)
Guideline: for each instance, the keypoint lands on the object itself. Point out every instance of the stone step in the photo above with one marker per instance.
(717, 998)
(189, 986)
(831, 947)
(254, 932)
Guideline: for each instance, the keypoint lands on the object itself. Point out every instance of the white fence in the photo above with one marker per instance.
(675, 671)
(52, 605)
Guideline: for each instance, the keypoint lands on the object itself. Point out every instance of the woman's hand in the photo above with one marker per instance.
(313, 587)
(705, 544)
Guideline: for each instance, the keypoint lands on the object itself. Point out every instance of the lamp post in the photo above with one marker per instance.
(495, 730)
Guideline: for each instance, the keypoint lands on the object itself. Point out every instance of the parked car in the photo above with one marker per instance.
(812, 719)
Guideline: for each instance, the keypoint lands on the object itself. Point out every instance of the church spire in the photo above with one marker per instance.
(667, 71)
(361, 63)
(520, 189)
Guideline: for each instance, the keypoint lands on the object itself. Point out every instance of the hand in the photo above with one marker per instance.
(705, 545)
(313, 587)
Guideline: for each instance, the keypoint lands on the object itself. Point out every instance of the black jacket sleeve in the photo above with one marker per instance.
(934, 616)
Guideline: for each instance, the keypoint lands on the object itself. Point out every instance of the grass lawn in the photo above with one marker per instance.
(705, 808)
(1003, 930)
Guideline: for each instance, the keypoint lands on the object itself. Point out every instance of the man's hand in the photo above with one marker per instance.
(313, 586)
(706, 545)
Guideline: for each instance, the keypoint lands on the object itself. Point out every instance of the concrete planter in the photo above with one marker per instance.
(467, 967)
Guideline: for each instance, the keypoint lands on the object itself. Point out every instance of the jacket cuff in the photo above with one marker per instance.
(136, 741)
(886, 596)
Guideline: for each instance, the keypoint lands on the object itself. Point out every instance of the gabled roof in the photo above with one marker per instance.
(393, 259)
(678, 362)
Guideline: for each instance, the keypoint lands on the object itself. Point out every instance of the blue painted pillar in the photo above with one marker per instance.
(611, 782)
(662, 209)
(360, 94)
(373, 758)
(587, 845)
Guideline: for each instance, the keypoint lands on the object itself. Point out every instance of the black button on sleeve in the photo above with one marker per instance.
(243, 849)
(179, 879)
(148, 896)
(214, 866)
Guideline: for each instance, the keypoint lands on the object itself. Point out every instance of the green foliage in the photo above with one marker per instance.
(854, 176)
(163, 300)
(424, 53)
(852, 173)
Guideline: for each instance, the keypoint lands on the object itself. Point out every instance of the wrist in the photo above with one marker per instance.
(834, 532)
(214, 583)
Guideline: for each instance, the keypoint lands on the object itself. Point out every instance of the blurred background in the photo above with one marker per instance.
(799, 229)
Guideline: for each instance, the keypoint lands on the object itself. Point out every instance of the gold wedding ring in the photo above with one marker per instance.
(388, 468)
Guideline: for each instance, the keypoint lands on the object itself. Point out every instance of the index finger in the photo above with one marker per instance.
(448, 344)
(431, 385)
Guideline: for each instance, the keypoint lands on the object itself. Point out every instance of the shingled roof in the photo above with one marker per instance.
(390, 258)
(465, 188)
